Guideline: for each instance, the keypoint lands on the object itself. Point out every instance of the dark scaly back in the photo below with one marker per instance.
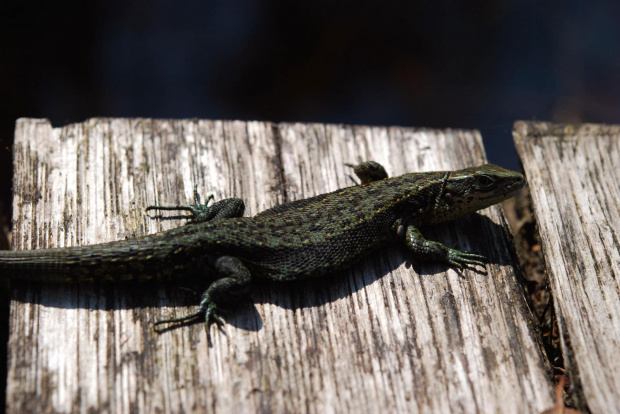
(321, 234)
(307, 237)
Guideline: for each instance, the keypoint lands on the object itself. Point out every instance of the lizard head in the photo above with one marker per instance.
(471, 189)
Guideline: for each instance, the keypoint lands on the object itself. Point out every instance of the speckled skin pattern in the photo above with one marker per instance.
(304, 238)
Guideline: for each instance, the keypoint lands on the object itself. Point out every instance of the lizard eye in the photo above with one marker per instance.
(484, 180)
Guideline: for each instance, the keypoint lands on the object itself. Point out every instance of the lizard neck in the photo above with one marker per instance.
(438, 207)
(420, 202)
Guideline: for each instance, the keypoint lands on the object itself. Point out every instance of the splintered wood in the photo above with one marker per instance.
(574, 174)
(389, 335)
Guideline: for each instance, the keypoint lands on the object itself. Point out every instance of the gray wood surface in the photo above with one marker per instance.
(390, 335)
(574, 174)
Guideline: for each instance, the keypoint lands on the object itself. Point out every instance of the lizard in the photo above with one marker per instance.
(306, 238)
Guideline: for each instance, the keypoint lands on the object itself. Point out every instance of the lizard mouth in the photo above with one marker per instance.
(514, 188)
(508, 190)
(505, 190)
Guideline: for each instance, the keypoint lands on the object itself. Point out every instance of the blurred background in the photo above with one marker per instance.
(440, 64)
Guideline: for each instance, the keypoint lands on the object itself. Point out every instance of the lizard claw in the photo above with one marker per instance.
(197, 210)
(197, 198)
(210, 312)
(212, 317)
(459, 259)
(181, 319)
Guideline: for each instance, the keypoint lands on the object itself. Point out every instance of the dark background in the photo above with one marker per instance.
(437, 64)
(456, 64)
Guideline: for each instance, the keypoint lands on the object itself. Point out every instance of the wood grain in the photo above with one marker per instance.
(390, 335)
(573, 173)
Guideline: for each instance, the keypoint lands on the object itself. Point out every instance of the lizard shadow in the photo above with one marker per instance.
(490, 239)
(291, 295)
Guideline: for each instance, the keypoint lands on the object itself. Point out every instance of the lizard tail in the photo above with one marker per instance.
(50, 265)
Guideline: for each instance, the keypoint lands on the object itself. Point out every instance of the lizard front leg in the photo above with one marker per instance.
(227, 208)
(234, 283)
(432, 250)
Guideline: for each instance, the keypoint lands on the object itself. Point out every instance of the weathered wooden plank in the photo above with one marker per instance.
(389, 335)
(573, 173)
(90, 348)
(448, 341)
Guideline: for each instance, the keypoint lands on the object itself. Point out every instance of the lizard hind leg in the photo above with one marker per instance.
(234, 282)
(368, 171)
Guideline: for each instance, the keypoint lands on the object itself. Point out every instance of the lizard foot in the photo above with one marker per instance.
(368, 171)
(208, 310)
(460, 259)
(433, 250)
(198, 210)
(212, 317)
(200, 213)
